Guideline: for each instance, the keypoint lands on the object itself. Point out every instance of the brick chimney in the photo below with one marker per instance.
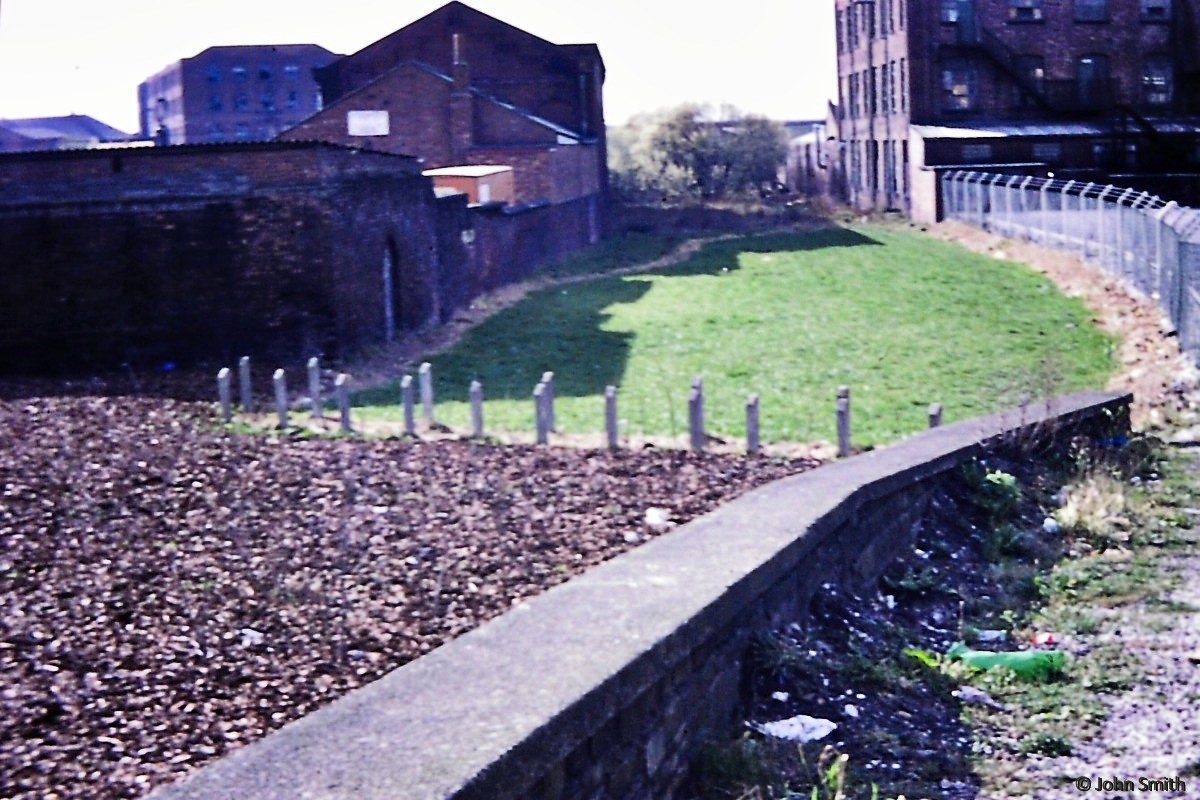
(461, 104)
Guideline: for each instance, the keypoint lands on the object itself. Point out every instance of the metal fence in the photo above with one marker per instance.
(1153, 244)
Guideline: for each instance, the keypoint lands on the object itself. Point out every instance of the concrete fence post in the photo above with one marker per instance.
(314, 386)
(696, 418)
(224, 394)
(342, 388)
(281, 402)
(610, 416)
(752, 442)
(425, 373)
(551, 420)
(843, 421)
(476, 396)
(244, 384)
(540, 419)
(409, 403)
(935, 415)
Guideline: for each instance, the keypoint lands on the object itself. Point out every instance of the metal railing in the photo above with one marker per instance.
(1152, 243)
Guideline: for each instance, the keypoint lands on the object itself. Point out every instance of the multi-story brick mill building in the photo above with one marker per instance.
(1087, 89)
(234, 93)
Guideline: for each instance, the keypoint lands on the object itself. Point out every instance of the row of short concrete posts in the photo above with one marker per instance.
(843, 420)
(543, 403)
(279, 380)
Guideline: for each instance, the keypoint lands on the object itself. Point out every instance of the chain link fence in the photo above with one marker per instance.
(1153, 244)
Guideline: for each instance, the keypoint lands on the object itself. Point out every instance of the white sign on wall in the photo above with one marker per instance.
(368, 123)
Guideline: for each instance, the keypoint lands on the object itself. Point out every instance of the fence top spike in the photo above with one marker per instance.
(342, 379)
(278, 375)
(314, 362)
(223, 372)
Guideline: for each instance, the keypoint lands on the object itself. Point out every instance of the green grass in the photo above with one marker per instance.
(903, 319)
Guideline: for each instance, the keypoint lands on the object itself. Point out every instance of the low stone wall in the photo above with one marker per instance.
(606, 686)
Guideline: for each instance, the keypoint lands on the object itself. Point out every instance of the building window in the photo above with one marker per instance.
(959, 86)
(291, 72)
(1024, 10)
(1156, 10)
(240, 102)
(903, 83)
(317, 104)
(976, 153)
(1091, 10)
(264, 72)
(242, 132)
(293, 101)
(892, 86)
(214, 102)
(1158, 82)
(239, 73)
(841, 33)
(268, 101)
(1092, 81)
(214, 74)
(1047, 151)
(216, 133)
(949, 11)
(854, 95)
(885, 102)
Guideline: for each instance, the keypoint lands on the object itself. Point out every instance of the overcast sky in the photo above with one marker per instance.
(773, 57)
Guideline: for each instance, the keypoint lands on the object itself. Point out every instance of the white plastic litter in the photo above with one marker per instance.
(800, 728)
(659, 518)
(977, 697)
(851, 711)
(1051, 526)
(989, 635)
(780, 696)
(251, 637)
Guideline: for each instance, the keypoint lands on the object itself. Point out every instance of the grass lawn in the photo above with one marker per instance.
(903, 319)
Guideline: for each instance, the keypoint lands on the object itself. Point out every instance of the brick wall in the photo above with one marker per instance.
(199, 256)
(202, 254)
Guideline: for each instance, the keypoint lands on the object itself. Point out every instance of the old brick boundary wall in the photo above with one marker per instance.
(606, 686)
(201, 254)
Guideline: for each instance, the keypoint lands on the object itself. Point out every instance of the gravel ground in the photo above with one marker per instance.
(171, 591)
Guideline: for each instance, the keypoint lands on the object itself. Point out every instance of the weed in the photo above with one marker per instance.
(731, 771)
(1047, 744)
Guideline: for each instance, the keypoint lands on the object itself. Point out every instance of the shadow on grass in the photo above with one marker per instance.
(723, 256)
(562, 328)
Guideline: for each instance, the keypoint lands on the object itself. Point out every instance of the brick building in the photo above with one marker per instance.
(1088, 89)
(458, 87)
(235, 93)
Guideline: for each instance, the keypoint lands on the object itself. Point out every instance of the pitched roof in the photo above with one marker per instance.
(74, 126)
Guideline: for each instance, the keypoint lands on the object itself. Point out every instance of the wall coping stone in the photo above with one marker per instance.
(488, 713)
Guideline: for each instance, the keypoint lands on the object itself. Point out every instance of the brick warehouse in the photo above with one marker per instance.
(232, 93)
(458, 87)
(1105, 90)
(202, 253)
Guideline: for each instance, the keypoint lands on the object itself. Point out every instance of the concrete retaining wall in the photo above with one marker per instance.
(606, 686)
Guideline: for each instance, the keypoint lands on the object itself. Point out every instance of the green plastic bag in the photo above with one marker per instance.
(1038, 665)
